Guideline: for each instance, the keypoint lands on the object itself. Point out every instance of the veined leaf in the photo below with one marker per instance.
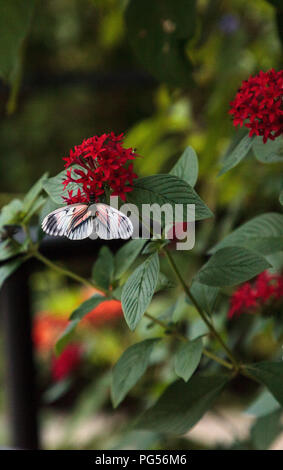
(269, 374)
(183, 404)
(87, 306)
(102, 271)
(205, 296)
(55, 189)
(186, 167)
(139, 289)
(130, 368)
(187, 358)
(263, 233)
(237, 154)
(230, 266)
(167, 189)
(270, 152)
(126, 255)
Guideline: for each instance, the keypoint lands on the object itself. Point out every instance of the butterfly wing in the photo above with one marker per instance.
(110, 223)
(74, 221)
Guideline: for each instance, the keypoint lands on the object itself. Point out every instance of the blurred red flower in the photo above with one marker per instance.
(68, 361)
(103, 162)
(251, 297)
(46, 330)
(259, 104)
(107, 312)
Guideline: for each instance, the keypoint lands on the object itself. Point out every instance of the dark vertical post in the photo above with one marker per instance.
(21, 391)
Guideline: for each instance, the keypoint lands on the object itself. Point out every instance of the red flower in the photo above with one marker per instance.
(46, 330)
(106, 313)
(67, 362)
(259, 104)
(251, 297)
(101, 162)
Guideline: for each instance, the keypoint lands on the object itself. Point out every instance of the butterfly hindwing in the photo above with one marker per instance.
(110, 223)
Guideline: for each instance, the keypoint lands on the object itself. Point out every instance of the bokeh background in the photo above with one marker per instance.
(81, 77)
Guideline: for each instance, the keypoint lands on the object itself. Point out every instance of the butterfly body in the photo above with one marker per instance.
(79, 221)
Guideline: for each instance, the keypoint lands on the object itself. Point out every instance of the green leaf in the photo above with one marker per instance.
(163, 283)
(87, 306)
(270, 152)
(8, 268)
(103, 269)
(57, 390)
(55, 189)
(183, 404)
(187, 358)
(269, 374)
(263, 233)
(281, 197)
(205, 296)
(230, 266)
(265, 430)
(126, 255)
(186, 167)
(130, 368)
(33, 193)
(158, 32)
(11, 213)
(10, 248)
(75, 318)
(237, 154)
(154, 245)
(66, 336)
(264, 404)
(167, 189)
(139, 289)
(15, 19)
(36, 207)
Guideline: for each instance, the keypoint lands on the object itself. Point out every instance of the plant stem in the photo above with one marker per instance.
(207, 353)
(63, 271)
(199, 309)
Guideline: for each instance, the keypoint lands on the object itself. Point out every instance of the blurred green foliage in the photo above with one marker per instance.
(79, 76)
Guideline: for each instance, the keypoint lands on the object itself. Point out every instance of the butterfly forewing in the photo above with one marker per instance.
(74, 221)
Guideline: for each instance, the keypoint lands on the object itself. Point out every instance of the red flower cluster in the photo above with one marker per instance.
(101, 161)
(252, 297)
(259, 102)
(67, 362)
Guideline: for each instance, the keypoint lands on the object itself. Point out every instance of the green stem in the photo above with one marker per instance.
(199, 309)
(63, 271)
(177, 335)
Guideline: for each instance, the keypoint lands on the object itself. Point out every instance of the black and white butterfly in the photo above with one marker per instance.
(78, 221)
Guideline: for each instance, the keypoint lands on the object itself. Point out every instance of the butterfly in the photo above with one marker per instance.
(79, 221)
